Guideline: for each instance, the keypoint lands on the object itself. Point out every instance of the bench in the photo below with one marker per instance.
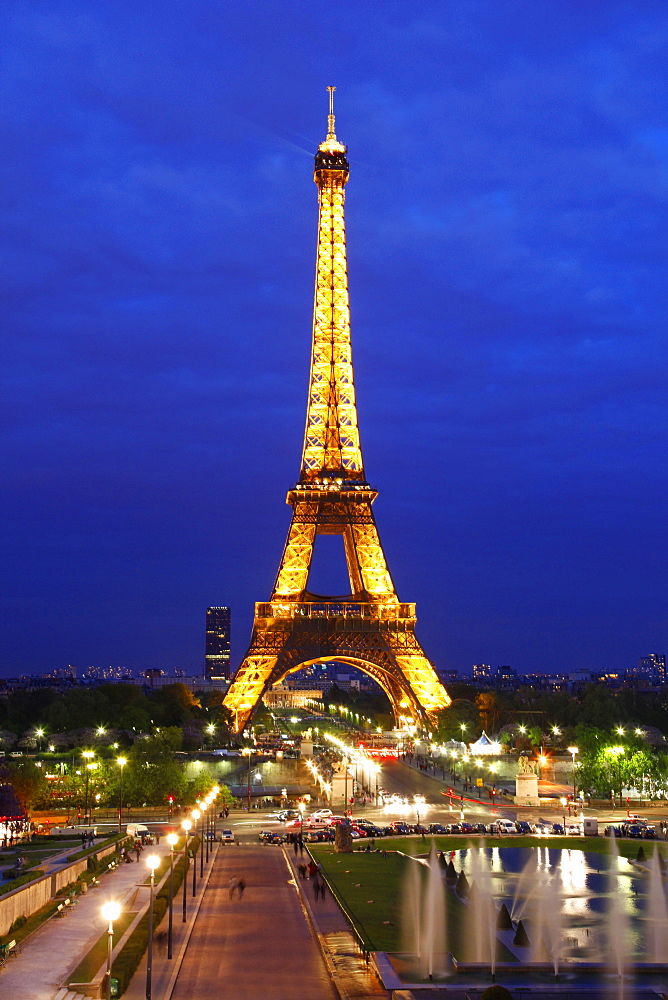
(63, 908)
(6, 952)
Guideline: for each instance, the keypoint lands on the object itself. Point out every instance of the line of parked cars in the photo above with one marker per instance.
(638, 831)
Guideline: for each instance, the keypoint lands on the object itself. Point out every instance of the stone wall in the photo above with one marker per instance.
(27, 899)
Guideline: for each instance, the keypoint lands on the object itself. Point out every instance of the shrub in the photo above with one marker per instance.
(21, 880)
(19, 922)
(127, 962)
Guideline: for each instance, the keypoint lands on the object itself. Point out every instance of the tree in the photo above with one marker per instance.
(27, 780)
(153, 772)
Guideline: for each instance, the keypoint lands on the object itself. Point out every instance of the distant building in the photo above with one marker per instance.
(285, 697)
(217, 654)
(654, 666)
(481, 671)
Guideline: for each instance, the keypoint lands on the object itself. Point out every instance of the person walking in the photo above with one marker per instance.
(232, 885)
(241, 885)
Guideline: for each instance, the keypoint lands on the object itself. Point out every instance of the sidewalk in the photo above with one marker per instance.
(353, 978)
(49, 955)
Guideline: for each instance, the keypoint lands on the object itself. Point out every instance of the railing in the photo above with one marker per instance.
(363, 942)
(336, 609)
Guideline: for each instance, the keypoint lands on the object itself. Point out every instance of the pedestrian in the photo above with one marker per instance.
(295, 844)
(157, 839)
(302, 869)
(241, 885)
(312, 869)
(91, 839)
(161, 942)
(138, 849)
(232, 885)
(301, 844)
(83, 839)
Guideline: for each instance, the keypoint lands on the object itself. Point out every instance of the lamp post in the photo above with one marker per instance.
(573, 751)
(110, 911)
(202, 838)
(171, 840)
(153, 861)
(247, 751)
(121, 761)
(186, 827)
(563, 801)
(87, 755)
(195, 815)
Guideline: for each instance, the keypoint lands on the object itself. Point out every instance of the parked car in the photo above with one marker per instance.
(437, 828)
(522, 826)
(271, 837)
(322, 813)
(398, 827)
(649, 833)
(454, 828)
(612, 831)
(557, 828)
(466, 827)
(480, 828)
(226, 837)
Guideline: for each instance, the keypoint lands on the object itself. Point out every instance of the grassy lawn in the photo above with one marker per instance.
(369, 887)
(95, 958)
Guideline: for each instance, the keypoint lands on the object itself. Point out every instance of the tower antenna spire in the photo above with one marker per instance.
(331, 134)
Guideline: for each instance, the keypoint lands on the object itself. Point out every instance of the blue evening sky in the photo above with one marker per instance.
(507, 224)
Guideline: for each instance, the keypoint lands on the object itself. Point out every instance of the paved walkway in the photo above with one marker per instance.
(56, 948)
(354, 979)
(257, 946)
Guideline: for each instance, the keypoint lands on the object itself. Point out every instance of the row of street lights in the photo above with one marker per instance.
(206, 818)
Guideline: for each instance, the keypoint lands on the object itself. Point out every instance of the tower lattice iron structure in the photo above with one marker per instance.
(369, 628)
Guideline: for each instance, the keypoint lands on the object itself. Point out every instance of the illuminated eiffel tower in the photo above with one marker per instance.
(369, 628)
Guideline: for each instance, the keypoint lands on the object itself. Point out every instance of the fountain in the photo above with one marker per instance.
(424, 916)
(617, 922)
(482, 917)
(657, 913)
(558, 914)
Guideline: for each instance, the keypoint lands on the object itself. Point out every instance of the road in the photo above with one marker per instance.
(257, 946)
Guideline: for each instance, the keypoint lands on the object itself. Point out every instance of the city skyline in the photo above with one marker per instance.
(505, 217)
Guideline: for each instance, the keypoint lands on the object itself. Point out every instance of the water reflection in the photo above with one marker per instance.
(590, 891)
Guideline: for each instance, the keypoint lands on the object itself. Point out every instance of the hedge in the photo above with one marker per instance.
(127, 961)
(21, 880)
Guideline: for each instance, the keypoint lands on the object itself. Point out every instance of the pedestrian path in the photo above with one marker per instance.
(49, 955)
(354, 978)
(259, 945)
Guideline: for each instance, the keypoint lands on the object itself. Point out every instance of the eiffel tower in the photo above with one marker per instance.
(369, 628)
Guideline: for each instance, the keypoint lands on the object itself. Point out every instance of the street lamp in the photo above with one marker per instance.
(172, 840)
(573, 751)
(186, 825)
(39, 733)
(153, 862)
(121, 761)
(247, 751)
(110, 911)
(195, 815)
(87, 755)
(301, 807)
(563, 801)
